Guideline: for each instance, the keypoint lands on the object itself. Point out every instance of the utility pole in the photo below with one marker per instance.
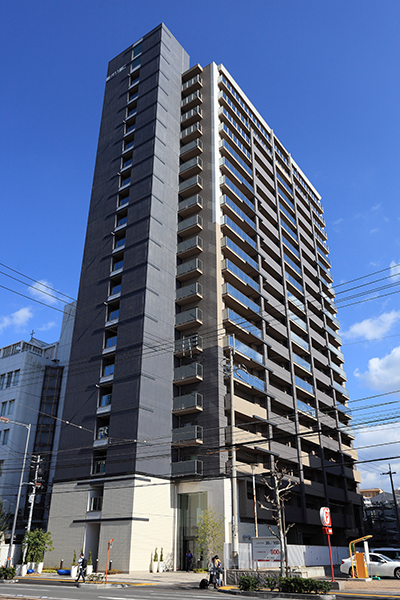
(31, 499)
(254, 500)
(235, 534)
(390, 473)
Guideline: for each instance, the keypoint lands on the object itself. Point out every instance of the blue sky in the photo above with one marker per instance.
(323, 73)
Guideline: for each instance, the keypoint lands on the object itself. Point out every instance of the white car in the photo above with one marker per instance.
(379, 565)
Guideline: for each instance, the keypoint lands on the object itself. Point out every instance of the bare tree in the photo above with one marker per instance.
(277, 507)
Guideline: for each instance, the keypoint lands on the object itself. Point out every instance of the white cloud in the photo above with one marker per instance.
(42, 290)
(374, 231)
(338, 221)
(47, 326)
(395, 270)
(376, 206)
(369, 447)
(372, 328)
(383, 374)
(18, 319)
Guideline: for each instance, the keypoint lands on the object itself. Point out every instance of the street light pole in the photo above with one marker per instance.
(14, 525)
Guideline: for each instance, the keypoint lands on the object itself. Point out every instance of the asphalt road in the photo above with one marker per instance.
(146, 592)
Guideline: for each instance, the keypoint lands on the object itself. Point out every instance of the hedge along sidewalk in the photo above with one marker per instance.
(278, 595)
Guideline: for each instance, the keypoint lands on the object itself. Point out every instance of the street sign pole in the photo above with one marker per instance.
(325, 516)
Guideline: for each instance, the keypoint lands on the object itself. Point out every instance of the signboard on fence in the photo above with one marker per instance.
(266, 550)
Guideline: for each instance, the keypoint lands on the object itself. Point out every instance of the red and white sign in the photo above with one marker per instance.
(266, 550)
(327, 530)
(325, 516)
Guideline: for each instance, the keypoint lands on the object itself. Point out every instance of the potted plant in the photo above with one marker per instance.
(34, 545)
(74, 567)
(154, 562)
(89, 567)
(161, 562)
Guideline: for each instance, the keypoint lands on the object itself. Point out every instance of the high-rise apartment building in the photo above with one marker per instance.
(205, 240)
(33, 378)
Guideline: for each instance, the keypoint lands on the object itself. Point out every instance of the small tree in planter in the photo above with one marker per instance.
(35, 544)
(161, 562)
(154, 563)
(89, 568)
(210, 534)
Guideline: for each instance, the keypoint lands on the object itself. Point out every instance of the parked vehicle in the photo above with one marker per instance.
(393, 553)
(380, 565)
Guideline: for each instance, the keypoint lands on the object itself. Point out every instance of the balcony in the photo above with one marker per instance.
(233, 249)
(187, 404)
(190, 205)
(102, 437)
(342, 390)
(243, 437)
(192, 99)
(250, 380)
(230, 292)
(191, 115)
(193, 84)
(347, 430)
(306, 409)
(299, 341)
(191, 149)
(191, 186)
(188, 345)
(339, 371)
(188, 247)
(301, 362)
(190, 435)
(191, 225)
(191, 167)
(229, 315)
(189, 318)
(190, 268)
(187, 468)
(188, 374)
(189, 293)
(243, 349)
(306, 387)
(191, 133)
(334, 334)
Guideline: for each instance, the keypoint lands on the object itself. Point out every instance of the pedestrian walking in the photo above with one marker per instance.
(82, 564)
(189, 561)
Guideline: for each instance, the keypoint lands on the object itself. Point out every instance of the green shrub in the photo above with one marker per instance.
(271, 582)
(300, 585)
(248, 583)
(7, 572)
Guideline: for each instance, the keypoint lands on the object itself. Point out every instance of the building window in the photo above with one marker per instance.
(9, 379)
(1, 466)
(2, 381)
(6, 433)
(111, 341)
(11, 407)
(99, 466)
(3, 409)
(122, 221)
(119, 242)
(16, 377)
(115, 289)
(108, 370)
(96, 503)
(105, 399)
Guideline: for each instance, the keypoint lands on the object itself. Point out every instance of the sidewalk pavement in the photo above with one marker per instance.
(183, 579)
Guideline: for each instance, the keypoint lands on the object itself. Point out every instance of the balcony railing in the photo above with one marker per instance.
(195, 222)
(189, 435)
(238, 346)
(186, 345)
(187, 291)
(306, 408)
(188, 373)
(193, 243)
(192, 202)
(187, 467)
(192, 316)
(190, 265)
(307, 387)
(342, 390)
(188, 403)
(252, 380)
(298, 340)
